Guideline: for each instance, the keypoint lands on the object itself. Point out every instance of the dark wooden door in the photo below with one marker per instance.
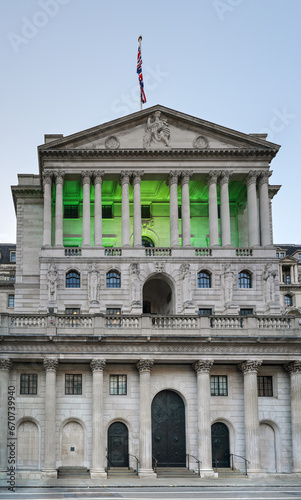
(220, 445)
(118, 445)
(168, 429)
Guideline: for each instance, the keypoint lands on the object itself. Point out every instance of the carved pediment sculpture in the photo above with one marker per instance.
(157, 130)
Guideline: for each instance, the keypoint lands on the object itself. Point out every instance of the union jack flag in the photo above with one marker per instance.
(140, 76)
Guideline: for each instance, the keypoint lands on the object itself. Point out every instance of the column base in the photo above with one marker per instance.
(49, 473)
(147, 473)
(98, 473)
(208, 473)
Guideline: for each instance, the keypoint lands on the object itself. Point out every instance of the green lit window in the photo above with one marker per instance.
(28, 383)
(219, 385)
(113, 279)
(73, 384)
(118, 385)
(107, 212)
(204, 279)
(72, 279)
(147, 242)
(71, 211)
(265, 386)
(145, 212)
(244, 280)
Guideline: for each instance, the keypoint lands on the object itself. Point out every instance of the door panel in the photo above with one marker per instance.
(118, 445)
(220, 445)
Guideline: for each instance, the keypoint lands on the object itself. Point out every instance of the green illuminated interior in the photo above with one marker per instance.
(154, 193)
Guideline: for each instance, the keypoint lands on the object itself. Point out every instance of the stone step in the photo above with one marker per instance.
(175, 472)
(121, 472)
(228, 472)
(73, 472)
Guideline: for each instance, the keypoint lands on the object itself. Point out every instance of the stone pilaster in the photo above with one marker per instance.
(294, 369)
(213, 213)
(86, 179)
(49, 469)
(186, 232)
(59, 183)
(125, 182)
(173, 209)
(225, 208)
(5, 366)
(98, 176)
(252, 210)
(144, 367)
(202, 369)
(250, 370)
(137, 207)
(47, 184)
(98, 438)
(265, 223)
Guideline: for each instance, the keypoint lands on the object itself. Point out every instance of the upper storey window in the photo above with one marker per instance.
(71, 211)
(73, 279)
(113, 279)
(147, 242)
(204, 279)
(244, 280)
(13, 256)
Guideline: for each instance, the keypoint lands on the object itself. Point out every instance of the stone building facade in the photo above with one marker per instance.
(148, 329)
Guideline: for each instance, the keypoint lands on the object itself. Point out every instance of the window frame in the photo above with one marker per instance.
(11, 296)
(291, 302)
(30, 381)
(266, 386)
(205, 280)
(113, 281)
(219, 385)
(244, 279)
(207, 313)
(12, 256)
(246, 311)
(71, 211)
(70, 281)
(74, 385)
(119, 385)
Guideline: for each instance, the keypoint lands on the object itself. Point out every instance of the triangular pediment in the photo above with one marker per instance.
(159, 128)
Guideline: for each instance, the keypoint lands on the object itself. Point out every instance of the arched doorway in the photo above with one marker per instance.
(220, 445)
(168, 429)
(73, 445)
(118, 447)
(157, 297)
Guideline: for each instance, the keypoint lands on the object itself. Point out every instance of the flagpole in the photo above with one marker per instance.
(139, 41)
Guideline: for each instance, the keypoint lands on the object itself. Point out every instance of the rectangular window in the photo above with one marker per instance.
(111, 311)
(72, 310)
(28, 383)
(73, 384)
(299, 258)
(118, 385)
(145, 212)
(107, 212)
(11, 300)
(180, 211)
(219, 385)
(265, 386)
(245, 312)
(70, 211)
(205, 312)
(13, 256)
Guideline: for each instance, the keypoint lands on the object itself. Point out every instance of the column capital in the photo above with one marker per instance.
(225, 176)
(50, 364)
(250, 366)
(125, 177)
(144, 365)
(86, 176)
(97, 365)
(173, 177)
(5, 364)
(98, 176)
(202, 366)
(251, 178)
(212, 177)
(293, 367)
(47, 177)
(185, 176)
(137, 175)
(263, 177)
(59, 176)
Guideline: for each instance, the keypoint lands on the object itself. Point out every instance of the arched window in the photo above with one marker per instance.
(204, 279)
(73, 279)
(113, 279)
(288, 300)
(244, 280)
(147, 242)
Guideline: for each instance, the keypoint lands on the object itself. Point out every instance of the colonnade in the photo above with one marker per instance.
(259, 226)
(202, 368)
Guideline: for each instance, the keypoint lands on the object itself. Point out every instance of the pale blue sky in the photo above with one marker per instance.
(68, 65)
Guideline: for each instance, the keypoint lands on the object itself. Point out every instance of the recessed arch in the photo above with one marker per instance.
(73, 443)
(158, 295)
(28, 444)
(270, 446)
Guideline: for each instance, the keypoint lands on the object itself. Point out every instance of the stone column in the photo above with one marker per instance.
(59, 182)
(125, 181)
(137, 208)
(98, 437)
(86, 177)
(98, 209)
(252, 210)
(5, 366)
(47, 183)
(294, 369)
(250, 370)
(213, 213)
(264, 204)
(49, 469)
(186, 232)
(173, 209)
(202, 369)
(144, 367)
(225, 208)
